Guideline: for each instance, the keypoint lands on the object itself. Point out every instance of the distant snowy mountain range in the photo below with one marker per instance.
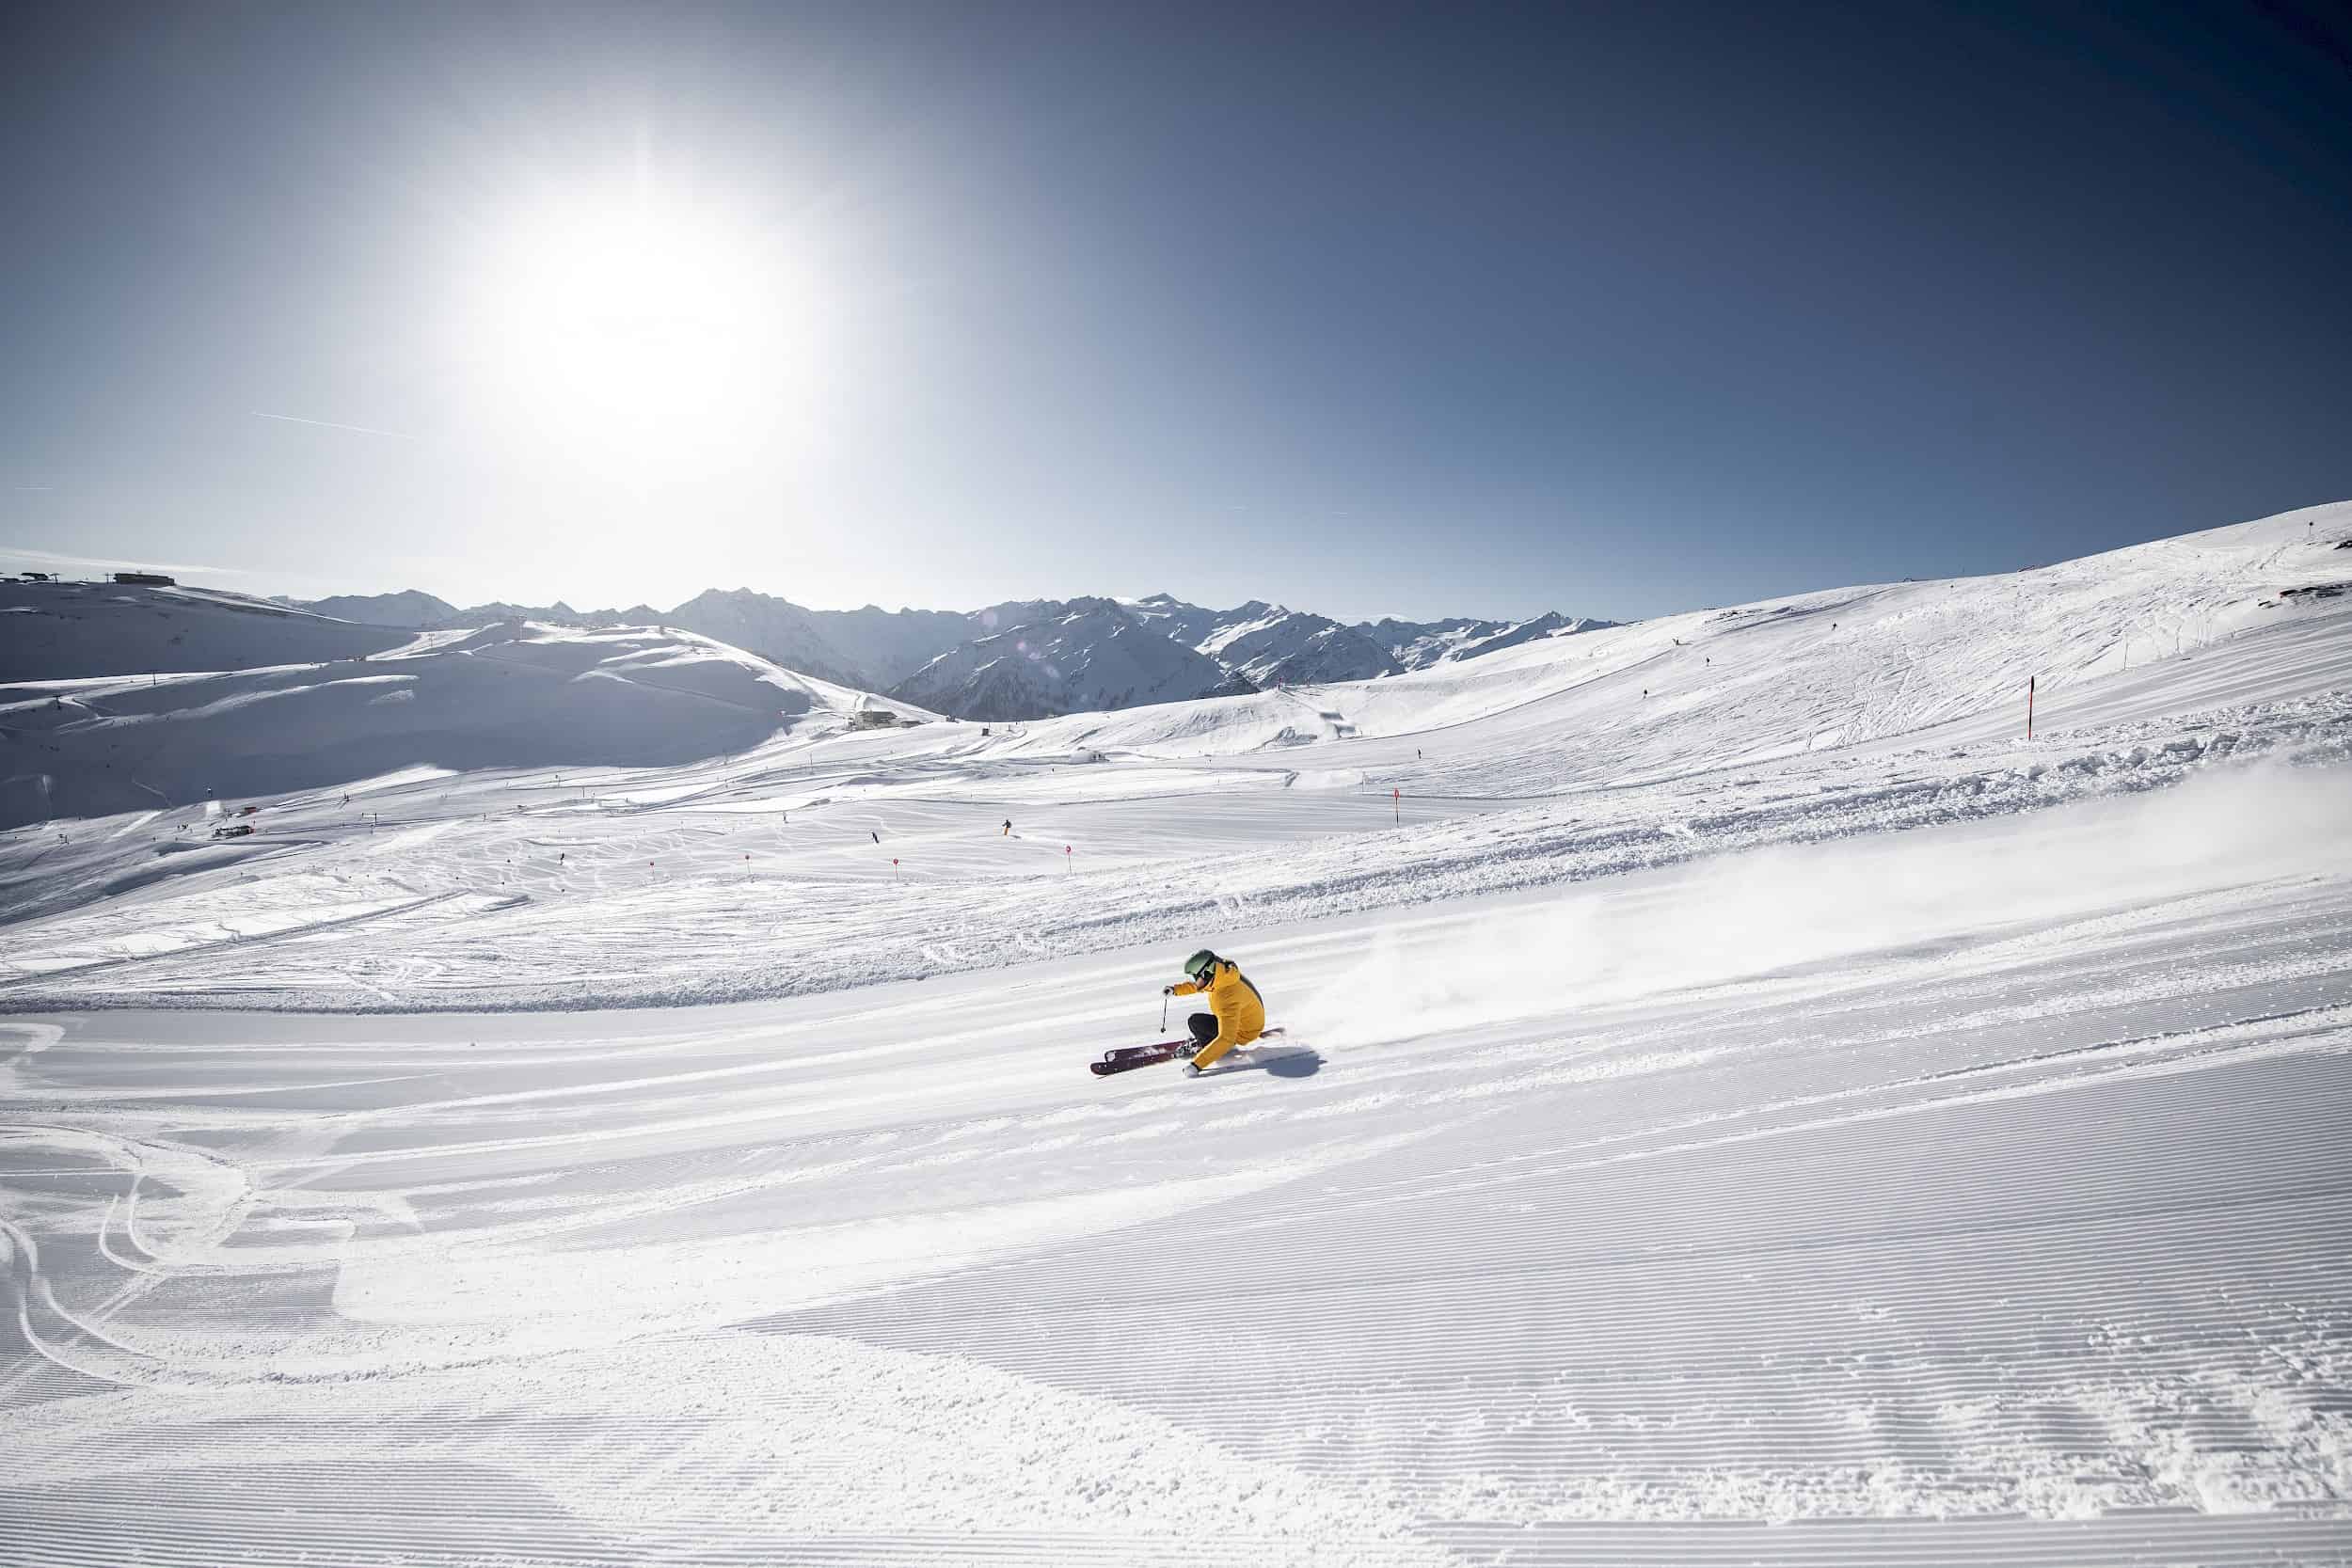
(1030, 658)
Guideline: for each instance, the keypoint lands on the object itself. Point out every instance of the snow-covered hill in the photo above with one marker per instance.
(1273, 645)
(1257, 643)
(61, 630)
(869, 648)
(418, 610)
(885, 646)
(411, 608)
(1417, 643)
(776, 629)
(1179, 622)
(1551, 624)
(508, 696)
(556, 615)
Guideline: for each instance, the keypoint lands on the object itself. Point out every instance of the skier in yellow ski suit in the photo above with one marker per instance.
(1236, 1012)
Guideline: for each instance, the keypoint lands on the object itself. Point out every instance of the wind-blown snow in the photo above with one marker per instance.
(1789, 1117)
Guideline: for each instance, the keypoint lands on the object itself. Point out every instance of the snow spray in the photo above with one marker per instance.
(1927, 894)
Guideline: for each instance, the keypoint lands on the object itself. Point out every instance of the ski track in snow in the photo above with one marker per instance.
(1970, 1243)
(1666, 1162)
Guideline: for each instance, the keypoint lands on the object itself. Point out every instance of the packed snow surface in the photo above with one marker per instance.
(1666, 1160)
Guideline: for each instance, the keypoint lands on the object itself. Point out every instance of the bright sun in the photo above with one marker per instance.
(650, 330)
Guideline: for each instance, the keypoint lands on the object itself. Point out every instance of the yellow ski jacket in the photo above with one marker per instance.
(1240, 1010)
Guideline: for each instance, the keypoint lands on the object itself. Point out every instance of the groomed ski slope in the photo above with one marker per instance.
(1850, 1204)
(1666, 1164)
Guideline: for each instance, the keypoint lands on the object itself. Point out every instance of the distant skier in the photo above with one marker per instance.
(1008, 833)
(1236, 1015)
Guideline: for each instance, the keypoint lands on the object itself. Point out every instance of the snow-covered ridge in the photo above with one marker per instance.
(409, 608)
(513, 695)
(64, 630)
(1089, 655)
(1254, 645)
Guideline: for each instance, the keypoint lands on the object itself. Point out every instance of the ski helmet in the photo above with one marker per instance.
(1197, 967)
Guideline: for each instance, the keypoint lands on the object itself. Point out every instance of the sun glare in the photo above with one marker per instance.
(656, 332)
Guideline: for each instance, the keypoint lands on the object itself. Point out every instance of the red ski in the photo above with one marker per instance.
(1126, 1058)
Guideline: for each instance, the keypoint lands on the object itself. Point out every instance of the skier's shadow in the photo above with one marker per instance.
(1287, 1061)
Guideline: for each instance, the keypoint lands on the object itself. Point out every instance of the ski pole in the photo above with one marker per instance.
(1162, 1012)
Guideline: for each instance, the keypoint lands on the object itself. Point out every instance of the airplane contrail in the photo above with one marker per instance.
(330, 425)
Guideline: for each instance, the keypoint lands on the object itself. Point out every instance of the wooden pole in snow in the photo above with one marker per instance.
(1396, 805)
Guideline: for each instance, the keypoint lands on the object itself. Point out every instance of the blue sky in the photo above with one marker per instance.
(1375, 310)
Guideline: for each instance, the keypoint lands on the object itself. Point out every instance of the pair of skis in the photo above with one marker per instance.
(1126, 1058)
